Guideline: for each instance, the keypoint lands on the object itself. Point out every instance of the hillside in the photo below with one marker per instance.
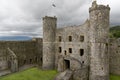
(115, 32)
(14, 38)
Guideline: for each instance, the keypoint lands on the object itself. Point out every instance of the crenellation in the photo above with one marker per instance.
(95, 6)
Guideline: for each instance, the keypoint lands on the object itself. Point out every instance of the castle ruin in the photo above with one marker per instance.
(83, 52)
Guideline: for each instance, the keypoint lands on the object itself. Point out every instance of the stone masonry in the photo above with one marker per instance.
(83, 49)
(16, 54)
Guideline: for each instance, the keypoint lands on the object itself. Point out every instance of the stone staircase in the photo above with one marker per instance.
(66, 75)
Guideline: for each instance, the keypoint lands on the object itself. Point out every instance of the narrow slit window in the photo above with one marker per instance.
(36, 59)
(65, 52)
(60, 49)
(81, 38)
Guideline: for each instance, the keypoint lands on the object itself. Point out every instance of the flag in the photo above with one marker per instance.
(53, 5)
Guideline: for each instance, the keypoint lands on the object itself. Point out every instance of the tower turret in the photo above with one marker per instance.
(49, 33)
(99, 30)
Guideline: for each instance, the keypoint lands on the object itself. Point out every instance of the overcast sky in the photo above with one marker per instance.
(23, 17)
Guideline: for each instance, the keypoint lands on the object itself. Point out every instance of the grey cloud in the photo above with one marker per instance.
(24, 17)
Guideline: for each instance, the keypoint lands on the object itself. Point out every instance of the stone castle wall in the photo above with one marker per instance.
(84, 49)
(79, 41)
(75, 44)
(114, 52)
(27, 52)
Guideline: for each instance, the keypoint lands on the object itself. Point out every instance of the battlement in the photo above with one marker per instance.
(48, 17)
(95, 6)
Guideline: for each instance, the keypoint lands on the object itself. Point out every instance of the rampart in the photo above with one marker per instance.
(27, 52)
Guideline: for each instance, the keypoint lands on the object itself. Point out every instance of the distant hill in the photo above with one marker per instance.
(115, 32)
(14, 38)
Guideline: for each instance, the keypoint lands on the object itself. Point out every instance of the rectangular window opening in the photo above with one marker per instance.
(60, 38)
(81, 52)
(70, 38)
(81, 38)
(60, 49)
(70, 50)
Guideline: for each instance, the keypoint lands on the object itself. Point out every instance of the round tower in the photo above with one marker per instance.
(99, 30)
(49, 33)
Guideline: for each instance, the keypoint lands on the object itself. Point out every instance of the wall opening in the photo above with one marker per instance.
(82, 62)
(70, 50)
(24, 62)
(81, 38)
(36, 59)
(65, 52)
(67, 64)
(102, 68)
(81, 52)
(70, 38)
(41, 59)
(30, 61)
(117, 51)
(60, 38)
(9, 64)
(60, 49)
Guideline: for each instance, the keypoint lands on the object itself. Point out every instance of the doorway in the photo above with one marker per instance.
(67, 64)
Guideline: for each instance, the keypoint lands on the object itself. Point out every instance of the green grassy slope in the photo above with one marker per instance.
(37, 74)
(31, 74)
(114, 77)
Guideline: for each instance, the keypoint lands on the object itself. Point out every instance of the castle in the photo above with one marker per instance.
(83, 52)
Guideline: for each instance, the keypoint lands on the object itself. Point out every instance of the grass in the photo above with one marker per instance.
(31, 74)
(114, 77)
(37, 74)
